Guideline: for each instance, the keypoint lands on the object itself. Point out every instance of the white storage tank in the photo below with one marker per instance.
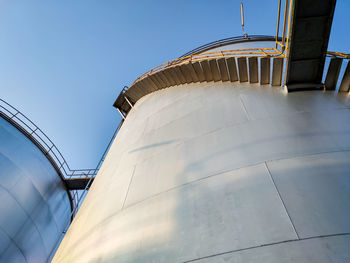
(35, 205)
(221, 171)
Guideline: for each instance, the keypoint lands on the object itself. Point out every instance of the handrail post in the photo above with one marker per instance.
(284, 22)
(278, 22)
(121, 114)
(128, 102)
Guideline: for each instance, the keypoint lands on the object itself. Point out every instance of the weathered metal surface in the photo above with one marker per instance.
(198, 171)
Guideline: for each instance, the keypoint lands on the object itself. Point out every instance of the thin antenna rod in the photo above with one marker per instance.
(242, 21)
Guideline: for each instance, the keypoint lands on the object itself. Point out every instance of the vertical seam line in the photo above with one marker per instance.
(284, 205)
(127, 191)
(244, 108)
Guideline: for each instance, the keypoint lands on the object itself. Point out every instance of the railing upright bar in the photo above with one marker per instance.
(285, 22)
(278, 22)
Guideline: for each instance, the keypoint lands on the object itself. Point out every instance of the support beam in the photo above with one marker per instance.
(151, 84)
(164, 78)
(197, 67)
(180, 75)
(333, 73)
(253, 70)
(155, 81)
(345, 83)
(121, 114)
(214, 70)
(172, 72)
(168, 75)
(206, 69)
(242, 69)
(232, 69)
(277, 71)
(186, 73)
(160, 80)
(77, 183)
(128, 101)
(193, 73)
(223, 69)
(265, 71)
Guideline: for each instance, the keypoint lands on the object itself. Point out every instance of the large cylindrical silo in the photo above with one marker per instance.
(35, 205)
(221, 171)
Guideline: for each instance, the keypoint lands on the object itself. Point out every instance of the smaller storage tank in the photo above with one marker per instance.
(35, 204)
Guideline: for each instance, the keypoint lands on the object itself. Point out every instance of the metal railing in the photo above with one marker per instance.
(338, 54)
(280, 49)
(284, 41)
(50, 150)
(197, 54)
(32, 131)
(257, 52)
(227, 41)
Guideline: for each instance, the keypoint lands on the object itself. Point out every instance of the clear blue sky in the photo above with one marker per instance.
(63, 62)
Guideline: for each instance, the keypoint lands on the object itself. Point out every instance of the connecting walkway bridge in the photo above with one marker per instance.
(296, 61)
(77, 181)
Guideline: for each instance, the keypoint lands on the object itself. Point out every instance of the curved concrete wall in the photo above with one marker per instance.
(221, 172)
(34, 204)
